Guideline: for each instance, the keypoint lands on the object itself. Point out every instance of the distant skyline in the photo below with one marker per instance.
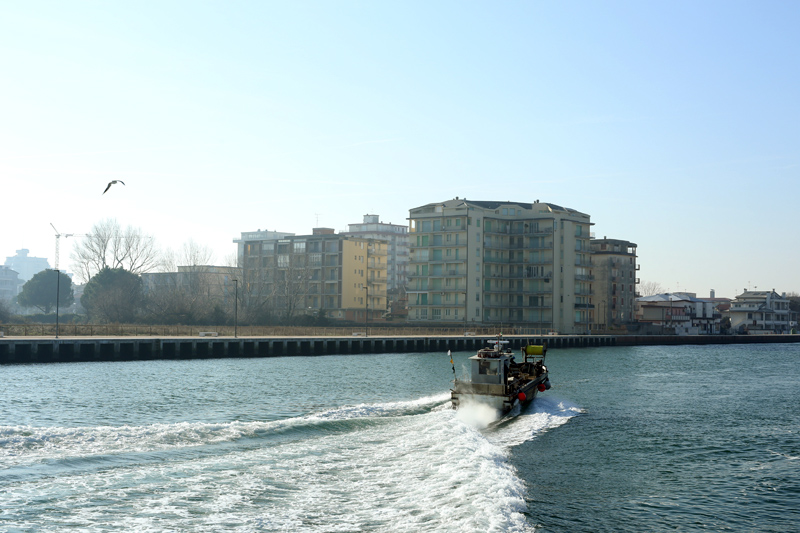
(674, 125)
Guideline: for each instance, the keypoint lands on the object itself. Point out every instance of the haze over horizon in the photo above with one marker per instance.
(673, 125)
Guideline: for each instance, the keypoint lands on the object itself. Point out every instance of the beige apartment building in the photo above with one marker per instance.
(397, 251)
(501, 263)
(615, 281)
(342, 276)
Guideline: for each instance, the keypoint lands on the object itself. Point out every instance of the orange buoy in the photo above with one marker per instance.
(522, 396)
(542, 387)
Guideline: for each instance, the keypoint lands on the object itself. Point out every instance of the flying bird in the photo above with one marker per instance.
(110, 183)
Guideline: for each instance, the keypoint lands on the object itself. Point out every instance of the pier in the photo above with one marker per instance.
(22, 350)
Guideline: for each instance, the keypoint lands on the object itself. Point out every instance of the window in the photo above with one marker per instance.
(487, 368)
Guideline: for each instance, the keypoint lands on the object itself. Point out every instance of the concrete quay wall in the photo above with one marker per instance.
(22, 350)
(76, 349)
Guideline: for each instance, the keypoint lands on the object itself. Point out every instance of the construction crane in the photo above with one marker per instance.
(58, 240)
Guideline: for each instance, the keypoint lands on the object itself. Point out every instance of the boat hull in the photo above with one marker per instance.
(501, 398)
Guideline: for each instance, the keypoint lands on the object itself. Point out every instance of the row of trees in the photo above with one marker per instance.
(110, 261)
(116, 295)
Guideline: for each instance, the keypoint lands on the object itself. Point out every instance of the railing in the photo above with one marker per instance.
(454, 328)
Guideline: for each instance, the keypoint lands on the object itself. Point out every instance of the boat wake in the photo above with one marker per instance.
(397, 466)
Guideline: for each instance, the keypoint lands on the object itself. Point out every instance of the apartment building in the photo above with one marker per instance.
(615, 280)
(514, 263)
(342, 276)
(397, 251)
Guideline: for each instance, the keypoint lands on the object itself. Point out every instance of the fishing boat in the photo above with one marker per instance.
(498, 380)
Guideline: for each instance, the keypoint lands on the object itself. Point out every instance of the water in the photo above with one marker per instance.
(628, 439)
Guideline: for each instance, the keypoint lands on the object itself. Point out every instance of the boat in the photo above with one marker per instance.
(498, 380)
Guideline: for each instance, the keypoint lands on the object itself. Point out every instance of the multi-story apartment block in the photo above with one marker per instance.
(522, 264)
(397, 251)
(343, 276)
(761, 312)
(615, 281)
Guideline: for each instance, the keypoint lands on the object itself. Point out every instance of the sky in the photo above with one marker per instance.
(674, 125)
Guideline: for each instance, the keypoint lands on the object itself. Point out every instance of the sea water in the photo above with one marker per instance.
(628, 439)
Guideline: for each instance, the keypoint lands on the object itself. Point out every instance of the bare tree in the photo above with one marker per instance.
(109, 246)
(650, 288)
(187, 289)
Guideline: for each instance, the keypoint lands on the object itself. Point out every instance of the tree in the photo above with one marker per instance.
(794, 301)
(5, 312)
(113, 295)
(40, 291)
(650, 288)
(187, 290)
(109, 246)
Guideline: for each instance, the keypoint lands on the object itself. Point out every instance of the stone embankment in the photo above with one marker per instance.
(22, 350)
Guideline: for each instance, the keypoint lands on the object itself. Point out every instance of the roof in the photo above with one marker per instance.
(671, 297)
(491, 204)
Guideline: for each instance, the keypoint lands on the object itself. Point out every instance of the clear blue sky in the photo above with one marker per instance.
(675, 125)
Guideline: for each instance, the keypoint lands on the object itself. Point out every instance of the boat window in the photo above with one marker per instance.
(488, 368)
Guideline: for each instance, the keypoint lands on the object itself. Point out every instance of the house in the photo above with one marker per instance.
(760, 312)
(679, 313)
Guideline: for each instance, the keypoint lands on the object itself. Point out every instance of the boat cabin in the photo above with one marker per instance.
(490, 370)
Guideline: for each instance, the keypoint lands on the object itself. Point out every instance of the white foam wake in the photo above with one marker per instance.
(398, 466)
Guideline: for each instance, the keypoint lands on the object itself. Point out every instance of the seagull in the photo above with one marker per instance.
(110, 183)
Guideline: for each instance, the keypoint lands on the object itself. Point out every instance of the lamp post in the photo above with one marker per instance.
(58, 294)
(604, 316)
(366, 311)
(465, 314)
(235, 307)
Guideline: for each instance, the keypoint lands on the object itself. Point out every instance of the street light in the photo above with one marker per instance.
(235, 306)
(465, 314)
(601, 318)
(366, 311)
(58, 294)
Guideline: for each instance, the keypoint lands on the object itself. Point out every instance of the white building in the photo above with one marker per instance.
(760, 312)
(679, 313)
